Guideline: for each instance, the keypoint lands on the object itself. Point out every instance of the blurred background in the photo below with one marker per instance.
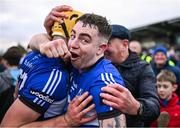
(150, 21)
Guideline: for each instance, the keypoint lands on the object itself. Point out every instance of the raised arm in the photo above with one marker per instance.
(38, 40)
(56, 14)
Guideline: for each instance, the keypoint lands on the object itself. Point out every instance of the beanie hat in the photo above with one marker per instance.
(160, 49)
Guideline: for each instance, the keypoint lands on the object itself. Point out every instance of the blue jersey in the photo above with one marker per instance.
(92, 80)
(43, 84)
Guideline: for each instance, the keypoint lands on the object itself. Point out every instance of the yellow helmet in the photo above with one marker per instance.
(64, 29)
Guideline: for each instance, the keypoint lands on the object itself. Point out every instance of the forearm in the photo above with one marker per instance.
(54, 122)
(16, 91)
(118, 121)
(37, 40)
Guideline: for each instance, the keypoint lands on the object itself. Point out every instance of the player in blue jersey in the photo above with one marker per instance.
(91, 71)
(42, 90)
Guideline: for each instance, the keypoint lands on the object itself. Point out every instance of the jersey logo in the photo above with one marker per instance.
(42, 96)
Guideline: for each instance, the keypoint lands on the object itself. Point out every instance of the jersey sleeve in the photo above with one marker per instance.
(104, 111)
(40, 89)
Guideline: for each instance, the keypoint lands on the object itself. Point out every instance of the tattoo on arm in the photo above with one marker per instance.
(118, 121)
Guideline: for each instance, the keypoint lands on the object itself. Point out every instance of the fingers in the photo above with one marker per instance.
(84, 103)
(55, 48)
(88, 119)
(56, 14)
(88, 109)
(110, 98)
(111, 90)
(114, 89)
(118, 87)
(81, 98)
(109, 103)
(63, 8)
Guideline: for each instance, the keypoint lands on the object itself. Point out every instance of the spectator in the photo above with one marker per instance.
(166, 86)
(139, 80)
(160, 61)
(135, 46)
(8, 78)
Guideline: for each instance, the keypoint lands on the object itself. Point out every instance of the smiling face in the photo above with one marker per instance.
(84, 45)
(160, 58)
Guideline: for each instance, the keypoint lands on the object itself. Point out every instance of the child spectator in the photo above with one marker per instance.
(170, 107)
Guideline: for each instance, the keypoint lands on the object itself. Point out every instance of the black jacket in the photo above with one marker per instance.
(140, 80)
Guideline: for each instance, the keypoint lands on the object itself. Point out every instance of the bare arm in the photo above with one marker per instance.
(16, 91)
(37, 40)
(18, 115)
(56, 48)
(74, 116)
(119, 121)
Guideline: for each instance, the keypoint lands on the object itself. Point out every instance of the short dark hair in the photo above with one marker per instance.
(13, 55)
(102, 24)
(166, 75)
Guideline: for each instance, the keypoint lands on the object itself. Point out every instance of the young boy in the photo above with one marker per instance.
(170, 106)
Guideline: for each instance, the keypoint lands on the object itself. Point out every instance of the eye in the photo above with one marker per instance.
(84, 41)
(165, 86)
(72, 37)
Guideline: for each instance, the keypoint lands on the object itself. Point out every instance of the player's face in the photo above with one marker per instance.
(160, 58)
(165, 89)
(83, 45)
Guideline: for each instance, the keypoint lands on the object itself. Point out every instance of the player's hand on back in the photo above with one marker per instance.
(77, 110)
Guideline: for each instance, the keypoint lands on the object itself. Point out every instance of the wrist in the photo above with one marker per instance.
(66, 120)
(140, 109)
(136, 108)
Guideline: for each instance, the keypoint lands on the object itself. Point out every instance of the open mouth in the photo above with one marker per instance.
(74, 56)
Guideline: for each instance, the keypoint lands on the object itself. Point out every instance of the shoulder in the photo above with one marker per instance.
(107, 73)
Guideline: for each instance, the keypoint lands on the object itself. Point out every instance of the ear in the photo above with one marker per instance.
(126, 43)
(175, 86)
(102, 48)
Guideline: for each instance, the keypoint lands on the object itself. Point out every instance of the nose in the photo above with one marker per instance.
(74, 43)
(161, 89)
